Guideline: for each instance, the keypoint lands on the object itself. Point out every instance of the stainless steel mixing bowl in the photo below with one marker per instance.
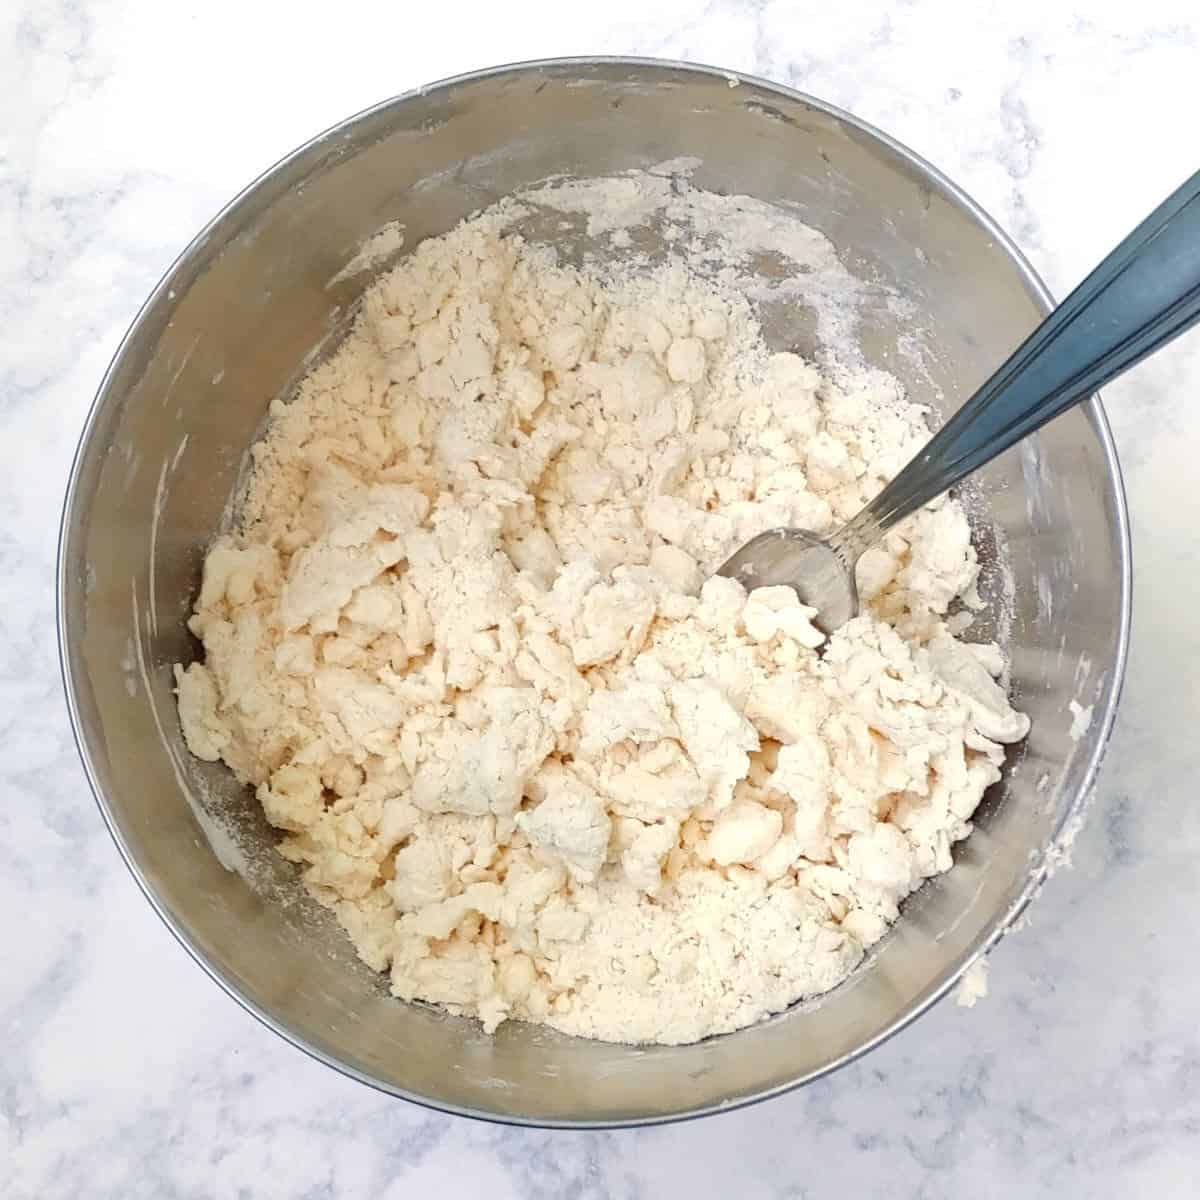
(229, 328)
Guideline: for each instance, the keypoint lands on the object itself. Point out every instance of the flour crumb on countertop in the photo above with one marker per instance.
(973, 986)
(466, 644)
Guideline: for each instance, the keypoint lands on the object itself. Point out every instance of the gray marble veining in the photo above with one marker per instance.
(123, 125)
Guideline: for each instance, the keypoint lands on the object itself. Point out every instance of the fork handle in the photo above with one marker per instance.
(1144, 293)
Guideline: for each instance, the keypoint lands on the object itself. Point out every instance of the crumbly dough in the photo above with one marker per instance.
(467, 646)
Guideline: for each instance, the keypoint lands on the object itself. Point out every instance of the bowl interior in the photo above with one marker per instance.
(943, 302)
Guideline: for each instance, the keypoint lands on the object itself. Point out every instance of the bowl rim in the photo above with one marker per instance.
(1105, 705)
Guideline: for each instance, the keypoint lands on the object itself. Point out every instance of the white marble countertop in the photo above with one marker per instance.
(125, 124)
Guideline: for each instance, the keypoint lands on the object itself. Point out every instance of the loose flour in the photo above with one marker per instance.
(466, 644)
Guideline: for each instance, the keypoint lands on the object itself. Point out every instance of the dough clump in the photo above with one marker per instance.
(466, 644)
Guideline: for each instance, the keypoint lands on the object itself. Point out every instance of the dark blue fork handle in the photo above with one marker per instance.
(1145, 292)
